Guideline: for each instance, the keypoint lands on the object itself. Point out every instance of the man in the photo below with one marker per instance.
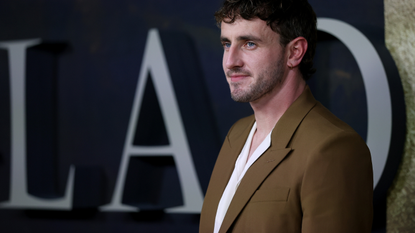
(292, 166)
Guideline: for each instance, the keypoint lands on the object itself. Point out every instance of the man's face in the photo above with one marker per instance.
(253, 59)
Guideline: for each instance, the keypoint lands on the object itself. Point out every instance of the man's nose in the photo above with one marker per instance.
(232, 58)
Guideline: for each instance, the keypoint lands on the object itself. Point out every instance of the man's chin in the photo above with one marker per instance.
(240, 98)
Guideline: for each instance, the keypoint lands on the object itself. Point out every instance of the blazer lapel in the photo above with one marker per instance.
(250, 182)
(235, 145)
(267, 162)
(227, 164)
(223, 169)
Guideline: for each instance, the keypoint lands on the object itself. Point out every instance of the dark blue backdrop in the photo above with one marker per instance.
(83, 77)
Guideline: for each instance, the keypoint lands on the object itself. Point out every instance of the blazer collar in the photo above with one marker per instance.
(285, 127)
(280, 137)
(291, 119)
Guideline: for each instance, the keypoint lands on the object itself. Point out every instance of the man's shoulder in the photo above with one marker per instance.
(323, 120)
(321, 125)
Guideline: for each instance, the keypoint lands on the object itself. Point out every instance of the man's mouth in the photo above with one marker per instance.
(237, 77)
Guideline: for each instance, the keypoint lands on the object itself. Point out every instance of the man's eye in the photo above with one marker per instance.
(250, 44)
(226, 45)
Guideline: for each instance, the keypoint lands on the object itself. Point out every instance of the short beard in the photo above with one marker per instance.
(265, 83)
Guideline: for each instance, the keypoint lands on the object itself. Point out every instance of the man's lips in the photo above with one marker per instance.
(238, 77)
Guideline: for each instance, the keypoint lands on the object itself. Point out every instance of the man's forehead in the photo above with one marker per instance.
(240, 26)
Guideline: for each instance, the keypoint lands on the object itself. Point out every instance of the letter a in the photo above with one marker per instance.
(154, 61)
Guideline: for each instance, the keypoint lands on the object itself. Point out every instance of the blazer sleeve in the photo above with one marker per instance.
(337, 187)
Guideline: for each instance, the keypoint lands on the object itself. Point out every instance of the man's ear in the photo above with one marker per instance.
(296, 50)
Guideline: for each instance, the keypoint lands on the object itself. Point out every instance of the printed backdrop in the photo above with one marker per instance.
(112, 112)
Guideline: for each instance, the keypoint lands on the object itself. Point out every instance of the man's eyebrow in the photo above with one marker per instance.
(242, 38)
(249, 37)
(224, 39)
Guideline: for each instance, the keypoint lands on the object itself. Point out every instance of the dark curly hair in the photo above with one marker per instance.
(289, 18)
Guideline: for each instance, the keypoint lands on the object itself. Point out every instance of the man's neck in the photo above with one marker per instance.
(269, 109)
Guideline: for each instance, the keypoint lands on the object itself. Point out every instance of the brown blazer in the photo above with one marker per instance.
(315, 177)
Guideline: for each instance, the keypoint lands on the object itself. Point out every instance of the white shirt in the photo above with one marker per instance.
(241, 166)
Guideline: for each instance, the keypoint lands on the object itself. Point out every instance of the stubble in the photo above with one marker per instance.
(264, 84)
